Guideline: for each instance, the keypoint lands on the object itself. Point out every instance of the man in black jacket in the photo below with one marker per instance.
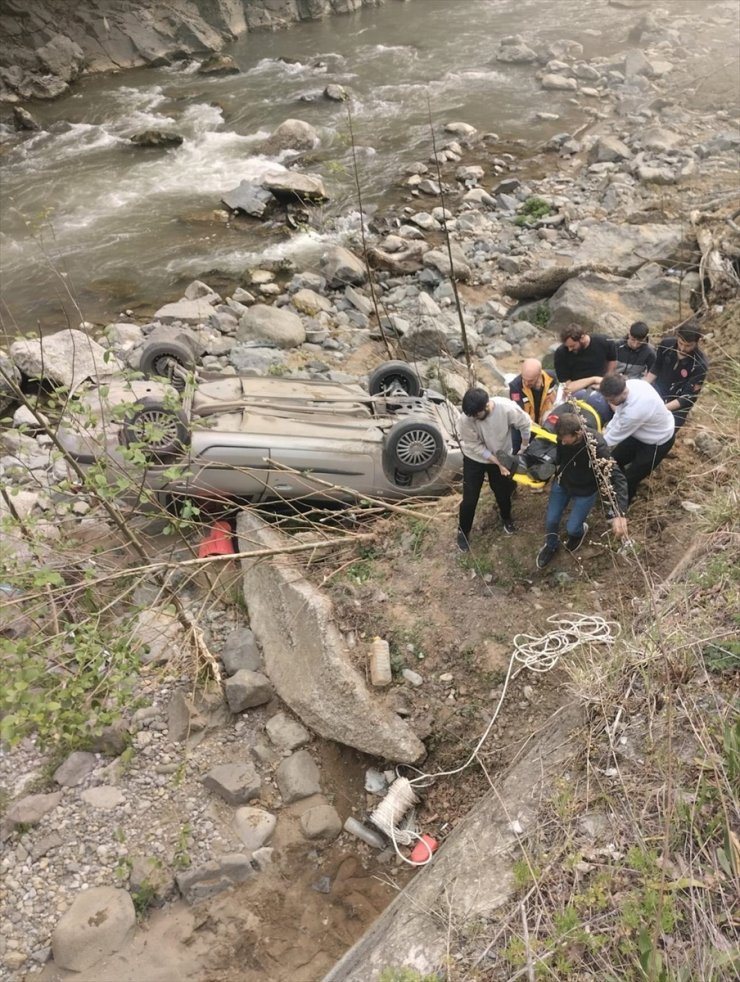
(582, 360)
(585, 469)
(680, 370)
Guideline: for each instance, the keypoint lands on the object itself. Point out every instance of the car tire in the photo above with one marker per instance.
(163, 358)
(392, 375)
(159, 431)
(412, 447)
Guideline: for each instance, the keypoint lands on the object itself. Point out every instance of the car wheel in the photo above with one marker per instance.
(164, 358)
(412, 447)
(392, 377)
(161, 432)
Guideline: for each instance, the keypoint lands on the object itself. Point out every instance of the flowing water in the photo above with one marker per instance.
(92, 225)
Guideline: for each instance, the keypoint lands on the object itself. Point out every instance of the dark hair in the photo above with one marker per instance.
(568, 424)
(574, 332)
(690, 332)
(612, 385)
(474, 401)
(639, 330)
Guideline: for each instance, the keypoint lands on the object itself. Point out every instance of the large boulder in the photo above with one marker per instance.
(306, 656)
(65, 358)
(290, 186)
(515, 54)
(99, 922)
(625, 248)
(439, 259)
(249, 197)
(291, 134)
(340, 268)
(609, 304)
(275, 324)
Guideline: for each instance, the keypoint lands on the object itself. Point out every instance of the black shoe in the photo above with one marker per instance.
(575, 542)
(509, 527)
(462, 541)
(545, 555)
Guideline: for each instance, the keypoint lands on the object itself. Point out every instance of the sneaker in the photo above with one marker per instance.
(545, 555)
(575, 542)
(462, 541)
(509, 527)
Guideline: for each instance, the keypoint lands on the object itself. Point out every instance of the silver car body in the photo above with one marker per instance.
(266, 439)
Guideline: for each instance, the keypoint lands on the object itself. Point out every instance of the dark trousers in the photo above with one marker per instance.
(502, 487)
(638, 459)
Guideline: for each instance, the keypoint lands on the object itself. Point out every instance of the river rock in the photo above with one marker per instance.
(291, 134)
(464, 130)
(336, 93)
(564, 48)
(236, 783)
(219, 64)
(213, 877)
(515, 54)
(291, 186)
(341, 268)
(637, 63)
(65, 358)
(649, 174)
(298, 777)
(254, 826)
(250, 198)
(99, 922)
(182, 717)
(75, 769)
(156, 138)
(193, 312)
(31, 809)
(240, 652)
(439, 259)
(609, 304)
(321, 821)
(310, 303)
(609, 148)
(23, 120)
(157, 634)
(625, 248)
(279, 326)
(287, 733)
(61, 56)
(559, 83)
(659, 138)
(10, 380)
(246, 689)
(105, 797)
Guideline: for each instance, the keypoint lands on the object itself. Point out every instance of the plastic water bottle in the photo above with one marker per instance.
(380, 663)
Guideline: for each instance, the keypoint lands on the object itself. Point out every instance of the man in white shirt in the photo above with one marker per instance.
(641, 431)
(484, 430)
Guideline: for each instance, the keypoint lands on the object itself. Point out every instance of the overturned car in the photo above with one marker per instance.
(257, 439)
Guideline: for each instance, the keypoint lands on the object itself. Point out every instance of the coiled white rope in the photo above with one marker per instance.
(536, 653)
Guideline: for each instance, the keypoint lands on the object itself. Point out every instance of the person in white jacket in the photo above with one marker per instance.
(484, 431)
(641, 430)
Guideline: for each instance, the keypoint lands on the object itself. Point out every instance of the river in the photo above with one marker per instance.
(91, 225)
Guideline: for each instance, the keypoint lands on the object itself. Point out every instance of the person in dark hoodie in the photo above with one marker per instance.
(635, 354)
(585, 471)
(680, 371)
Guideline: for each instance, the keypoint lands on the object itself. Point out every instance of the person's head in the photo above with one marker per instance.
(532, 373)
(614, 389)
(688, 337)
(475, 403)
(574, 338)
(638, 335)
(569, 429)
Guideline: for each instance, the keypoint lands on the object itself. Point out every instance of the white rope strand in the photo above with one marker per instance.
(536, 653)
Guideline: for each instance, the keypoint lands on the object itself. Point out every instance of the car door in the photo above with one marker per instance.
(300, 472)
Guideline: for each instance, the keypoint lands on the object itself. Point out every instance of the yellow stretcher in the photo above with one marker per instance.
(541, 433)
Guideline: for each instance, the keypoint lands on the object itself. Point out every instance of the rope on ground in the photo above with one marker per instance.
(537, 653)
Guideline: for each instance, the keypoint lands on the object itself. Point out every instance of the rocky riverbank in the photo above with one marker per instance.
(628, 222)
(50, 43)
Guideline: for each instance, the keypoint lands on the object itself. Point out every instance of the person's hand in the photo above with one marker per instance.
(504, 470)
(619, 527)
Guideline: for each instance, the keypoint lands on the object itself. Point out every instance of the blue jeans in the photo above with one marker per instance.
(559, 499)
